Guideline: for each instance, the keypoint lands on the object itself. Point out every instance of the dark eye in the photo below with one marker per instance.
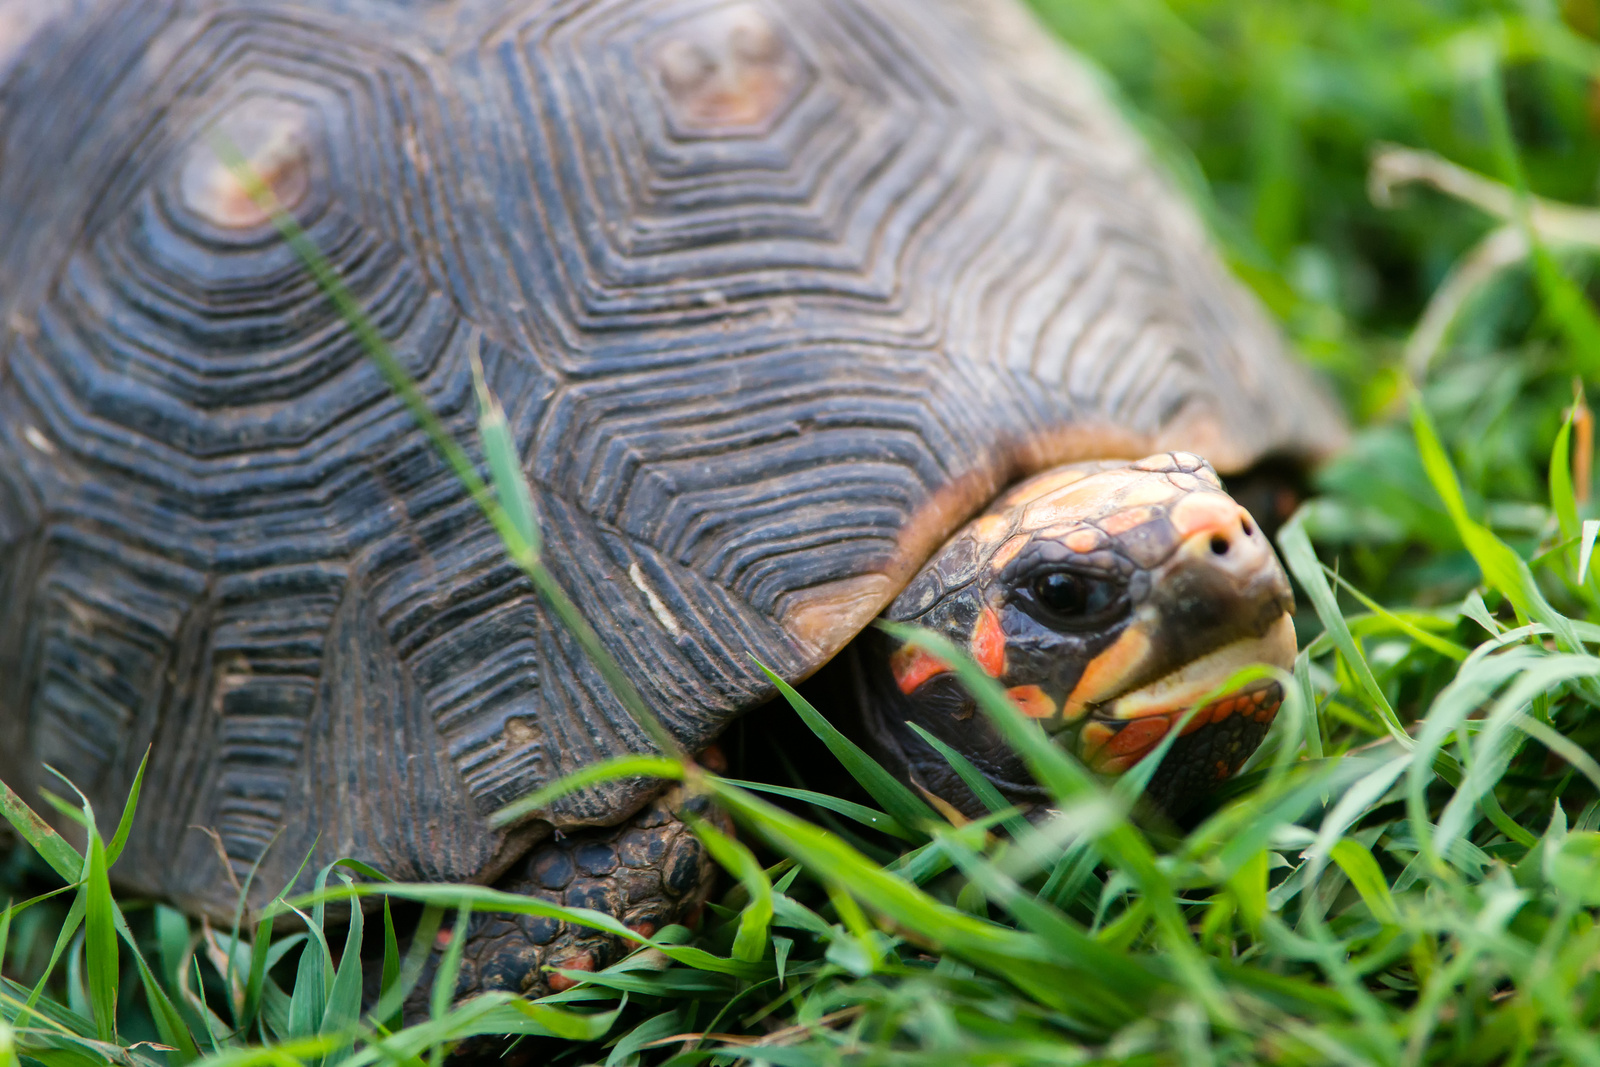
(1073, 596)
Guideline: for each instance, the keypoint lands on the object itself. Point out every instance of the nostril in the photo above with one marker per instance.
(1244, 524)
(1219, 545)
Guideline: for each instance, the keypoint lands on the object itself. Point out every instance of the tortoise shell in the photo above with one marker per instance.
(776, 296)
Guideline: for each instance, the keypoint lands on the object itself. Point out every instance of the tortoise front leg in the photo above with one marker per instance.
(649, 871)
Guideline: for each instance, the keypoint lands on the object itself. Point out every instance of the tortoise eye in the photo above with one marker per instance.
(1073, 596)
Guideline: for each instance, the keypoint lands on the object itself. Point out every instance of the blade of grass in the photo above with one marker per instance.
(974, 780)
(869, 817)
(604, 771)
(1564, 301)
(129, 806)
(51, 846)
(755, 921)
(444, 979)
(904, 806)
(100, 940)
(344, 996)
(1295, 545)
(391, 963)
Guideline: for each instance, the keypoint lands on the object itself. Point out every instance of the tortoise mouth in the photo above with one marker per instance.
(1179, 690)
(1111, 746)
(1122, 729)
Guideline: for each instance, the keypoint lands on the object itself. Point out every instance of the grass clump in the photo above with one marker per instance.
(1408, 871)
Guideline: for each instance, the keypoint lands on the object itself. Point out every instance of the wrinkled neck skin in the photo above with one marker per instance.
(1109, 599)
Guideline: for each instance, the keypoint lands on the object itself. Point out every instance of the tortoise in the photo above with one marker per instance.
(801, 313)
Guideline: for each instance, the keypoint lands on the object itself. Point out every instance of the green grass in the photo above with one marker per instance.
(1409, 870)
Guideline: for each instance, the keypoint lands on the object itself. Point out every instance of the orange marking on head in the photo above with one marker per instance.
(1082, 541)
(643, 929)
(989, 644)
(1105, 673)
(912, 666)
(1222, 770)
(1032, 700)
(1115, 764)
(1138, 737)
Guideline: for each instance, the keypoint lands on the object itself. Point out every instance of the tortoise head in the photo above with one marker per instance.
(1109, 598)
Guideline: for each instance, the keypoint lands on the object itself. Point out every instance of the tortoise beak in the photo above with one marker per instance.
(1220, 603)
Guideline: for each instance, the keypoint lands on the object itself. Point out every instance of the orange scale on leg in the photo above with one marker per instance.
(1139, 736)
(1201, 718)
(1114, 764)
(560, 983)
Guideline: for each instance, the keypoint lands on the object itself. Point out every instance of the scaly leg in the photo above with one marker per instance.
(649, 871)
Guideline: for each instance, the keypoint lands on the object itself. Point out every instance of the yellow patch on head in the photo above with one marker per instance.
(1108, 671)
(1155, 490)
(1082, 541)
(1090, 492)
(1187, 482)
(991, 527)
(1045, 484)
(1127, 519)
